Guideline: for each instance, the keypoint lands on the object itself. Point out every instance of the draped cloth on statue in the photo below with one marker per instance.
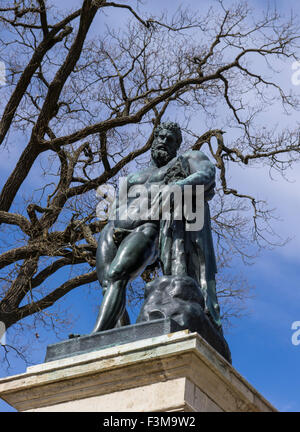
(191, 253)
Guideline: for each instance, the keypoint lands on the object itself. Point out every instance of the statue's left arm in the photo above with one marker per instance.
(202, 170)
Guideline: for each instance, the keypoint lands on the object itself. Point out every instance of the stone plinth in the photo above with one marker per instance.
(110, 338)
(174, 372)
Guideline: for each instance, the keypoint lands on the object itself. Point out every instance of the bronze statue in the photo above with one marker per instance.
(127, 247)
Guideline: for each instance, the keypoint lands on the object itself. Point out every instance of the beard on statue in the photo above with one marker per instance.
(161, 155)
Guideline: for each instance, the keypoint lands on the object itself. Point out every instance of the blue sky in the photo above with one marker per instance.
(261, 344)
(262, 350)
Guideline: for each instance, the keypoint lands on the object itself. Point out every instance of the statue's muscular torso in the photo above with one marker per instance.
(154, 175)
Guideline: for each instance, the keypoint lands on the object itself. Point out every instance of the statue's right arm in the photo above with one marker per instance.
(203, 171)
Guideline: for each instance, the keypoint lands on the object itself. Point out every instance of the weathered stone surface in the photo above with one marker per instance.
(174, 372)
(180, 298)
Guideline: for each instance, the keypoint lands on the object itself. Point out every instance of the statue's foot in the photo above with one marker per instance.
(74, 335)
(124, 320)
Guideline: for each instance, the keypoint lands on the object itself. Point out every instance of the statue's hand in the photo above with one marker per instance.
(174, 173)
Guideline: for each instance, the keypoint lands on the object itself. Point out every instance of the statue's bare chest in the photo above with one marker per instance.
(150, 175)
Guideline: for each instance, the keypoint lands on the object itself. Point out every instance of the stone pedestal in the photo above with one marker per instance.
(173, 372)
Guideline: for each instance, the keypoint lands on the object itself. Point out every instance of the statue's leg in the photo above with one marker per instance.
(106, 252)
(135, 252)
(124, 320)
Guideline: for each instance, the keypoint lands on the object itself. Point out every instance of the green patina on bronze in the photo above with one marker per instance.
(127, 247)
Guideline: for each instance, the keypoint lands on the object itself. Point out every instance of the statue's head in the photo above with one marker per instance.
(167, 140)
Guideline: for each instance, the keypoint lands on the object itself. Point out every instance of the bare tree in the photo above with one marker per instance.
(82, 103)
